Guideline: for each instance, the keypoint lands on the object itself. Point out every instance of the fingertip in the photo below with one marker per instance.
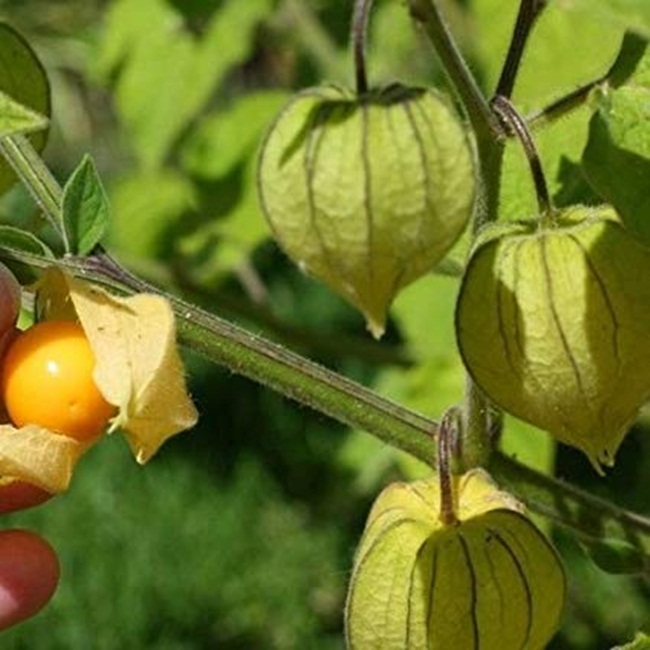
(29, 574)
(18, 495)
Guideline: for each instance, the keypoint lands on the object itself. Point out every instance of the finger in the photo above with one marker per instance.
(18, 495)
(29, 573)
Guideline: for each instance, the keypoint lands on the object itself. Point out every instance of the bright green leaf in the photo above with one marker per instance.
(225, 137)
(22, 78)
(16, 118)
(85, 208)
(619, 139)
(145, 209)
(22, 240)
(165, 74)
(627, 14)
(564, 51)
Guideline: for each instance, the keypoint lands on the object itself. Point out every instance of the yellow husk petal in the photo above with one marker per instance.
(38, 456)
(138, 367)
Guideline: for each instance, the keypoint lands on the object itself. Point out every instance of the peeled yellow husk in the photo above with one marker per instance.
(490, 581)
(552, 324)
(367, 193)
(138, 370)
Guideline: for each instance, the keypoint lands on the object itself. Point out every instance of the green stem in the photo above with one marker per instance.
(529, 11)
(570, 506)
(358, 37)
(37, 178)
(352, 404)
(482, 119)
(490, 143)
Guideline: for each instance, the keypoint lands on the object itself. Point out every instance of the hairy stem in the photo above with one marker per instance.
(358, 38)
(529, 11)
(37, 178)
(490, 143)
(517, 125)
(478, 110)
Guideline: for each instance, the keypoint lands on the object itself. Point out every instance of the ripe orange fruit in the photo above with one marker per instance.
(47, 381)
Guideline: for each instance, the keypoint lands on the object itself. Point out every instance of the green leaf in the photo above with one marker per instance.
(85, 208)
(146, 208)
(627, 14)
(619, 139)
(227, 239)
(564, 50)
(641, 642)
(225, 137)
(16, 239)
(16, 118)
(22, 78)
(165, 74)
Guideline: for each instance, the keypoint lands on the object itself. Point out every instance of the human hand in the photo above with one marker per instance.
(29, 568)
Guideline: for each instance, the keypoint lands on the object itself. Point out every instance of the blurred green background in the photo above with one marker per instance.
(241, 533)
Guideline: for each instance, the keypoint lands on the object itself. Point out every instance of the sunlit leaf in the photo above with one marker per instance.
(627, 14)
(85, 208)
(165, 74)
(619, 139)
(224, 138)
(23, 79)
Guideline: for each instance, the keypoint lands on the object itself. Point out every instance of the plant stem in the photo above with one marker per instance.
(529, 11)
(352, 404)
(358, 36)
(490, 143)
(517, 125)
(482, 119)
(37, 178)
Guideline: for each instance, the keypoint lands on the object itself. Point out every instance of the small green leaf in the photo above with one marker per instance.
(21, 240)
(85, 208)
(16, 240)
(617, 556)
(619, 139)
(16, 118)
(22, 78)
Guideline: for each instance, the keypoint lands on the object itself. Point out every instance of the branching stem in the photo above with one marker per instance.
(517, 125)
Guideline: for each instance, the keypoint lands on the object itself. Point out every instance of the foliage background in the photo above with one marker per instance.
(240, 535)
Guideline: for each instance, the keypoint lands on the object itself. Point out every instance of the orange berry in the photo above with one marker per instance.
(47, 381)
